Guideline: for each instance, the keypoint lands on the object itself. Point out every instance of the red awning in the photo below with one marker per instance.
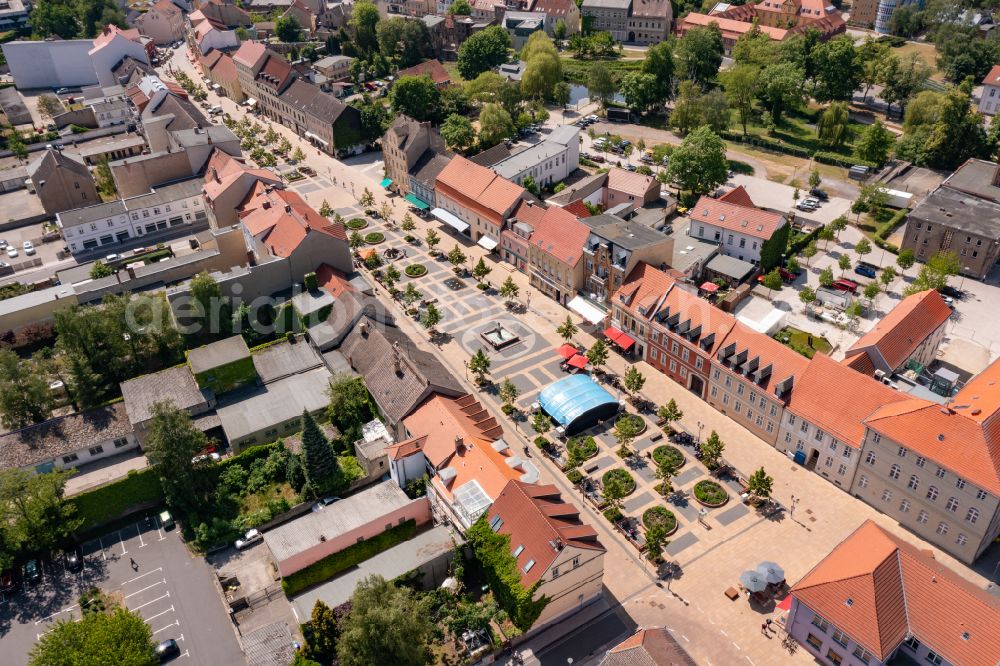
(578, 361)
(786, 603)
(612, 333)
(625, 341)
(567, 351)
(710, 287)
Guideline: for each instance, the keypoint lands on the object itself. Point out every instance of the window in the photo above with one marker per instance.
(961, 540)
(70, 458)
(960, 483)
(932, 493)
(876, 438)
(788, 438)
(496, 522)
(528, 565)
(894, 472)
(847, 452)
(863, 481)
(96, 450)
(749, 414)
(940, 472)
(698, 362)
(980, 494)
(576, 562)
(840, 638)
(517, 551)
(920, 461)
(922, 517)
(815, 642)
(833, 657)
(819, 435)
(828, 462)
(652, 353)
(912, 643)
(914, 482)
(933, 658)
(904, 506)
(952, 504)
(555, 572)
(804, 427)
(862, 654)
(715, 391)
(841, 469)
(791, 419)
(886, 495)
(902, 452)
(942, 528)
(120, 442)
(870, 458)
(673, 366)
(820, 623)
(739, 407)
(739, 390)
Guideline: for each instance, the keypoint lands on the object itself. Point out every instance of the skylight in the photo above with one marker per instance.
(517, 551)
(527, 567)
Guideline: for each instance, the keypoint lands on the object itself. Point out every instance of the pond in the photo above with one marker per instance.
(578, 93)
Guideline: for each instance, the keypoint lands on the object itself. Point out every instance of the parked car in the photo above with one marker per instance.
(32, 571)
(3, 244)
(598, 158)
(248, 539)
(802, 205)
(62, 91)
(214, 457)
(819, 194)
(8, 581)
(307, 170)
(73, 558)
(866, 269)
(323, 503)
(845, 285)
(951, 292)
(29, 249)
(12, 252)
(167, 650)
(166, 520)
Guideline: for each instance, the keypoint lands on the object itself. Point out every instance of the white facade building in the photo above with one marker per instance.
(547, 162)
(989, 103)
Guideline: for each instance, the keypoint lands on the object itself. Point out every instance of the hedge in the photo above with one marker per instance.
(799, 242)
(824, 157)
(116, 499)
(331, 565)
(839, 160)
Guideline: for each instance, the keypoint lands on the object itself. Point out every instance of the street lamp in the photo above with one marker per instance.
(701, 426)
(962, 283)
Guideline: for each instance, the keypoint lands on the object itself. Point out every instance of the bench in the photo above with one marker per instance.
(592, 467)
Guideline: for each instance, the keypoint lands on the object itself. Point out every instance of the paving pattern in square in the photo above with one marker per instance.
(732, 514)
(685, 540)
(604, 463)
(635, 503)
(687, 476)
(686, 507)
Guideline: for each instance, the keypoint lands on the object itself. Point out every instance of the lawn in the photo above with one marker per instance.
(804, 343)
(577, 71)
(927, 51)
(797, 131)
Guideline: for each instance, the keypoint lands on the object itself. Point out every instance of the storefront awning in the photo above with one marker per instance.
(587, 310)
(450, 220)
(487, 243)
(386, 182)
(417, 201)
(612, 333)
(625, 342)
(578, 361)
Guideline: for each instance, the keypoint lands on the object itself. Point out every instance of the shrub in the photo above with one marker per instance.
(575, 476)
(540, 442)
(357, 224)
(622, 475)
(138, 490)
(671, 452)
(582, 448)
(836, 159)
(639, 423)
(613, 515)
(710, 492)
(415, 270)
(374, 238)
(659, 516)
(331, 565)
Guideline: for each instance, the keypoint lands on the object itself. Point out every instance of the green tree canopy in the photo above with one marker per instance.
(875, 143)
(36, 517)
(699, 164)
(699, 54)
(741, 84)
(837, 69)
(482, 51)
(495, 125)
(640, 91)
(834, 126)
(287, 29)
(600, 85)
(172, 441)
(321, 466)
(404, 42)
(782, 88)
(386, 625)
(415, 96)
(458, 133)
(25, 397)
(364, 24)
(711, 450)
(118, 637)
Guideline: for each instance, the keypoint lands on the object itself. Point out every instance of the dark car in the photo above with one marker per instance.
(951, 292)
(167, 650)
(8, 581)
(868, 270)
(32, 571)
(73, 558)
(819, 194)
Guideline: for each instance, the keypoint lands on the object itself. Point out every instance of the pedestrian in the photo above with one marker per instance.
(135, 565)
(763, 628)
(768, 624)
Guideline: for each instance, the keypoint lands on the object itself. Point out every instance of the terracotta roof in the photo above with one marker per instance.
(784, 362)
(862, 363)
(537, 518)
(333, 280)
(839, 412)
(629, 182)
(742, 219)
(577, 208)
(993, 78)
(249, 53)
(731, 26)
(878, 589)
(406, 449)
(283, 219)
(561, 235)
(648, 647)
(431, 68)
(556, 8)
(529, 212)
(276, 72)
(167, 7)
(62, 436)
(478, 188)
(739, 196)
(109, 33)
(899, 333)
(224, 69)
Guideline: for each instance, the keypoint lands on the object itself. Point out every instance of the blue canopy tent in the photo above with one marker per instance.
(577, 402)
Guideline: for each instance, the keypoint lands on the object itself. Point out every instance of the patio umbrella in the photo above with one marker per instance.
(578, 361)
(771, 572)
(753, 581)
(567, 351)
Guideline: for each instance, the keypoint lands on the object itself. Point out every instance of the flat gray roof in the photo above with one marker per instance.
(175, 384)
(350, 513)
(536, 154)
(418, 551)
(730, 266)
(623, 233)
(34, 298)
(284, 359)
(275, 403)
(957, 210)
(217, 354)
(607, 4)
(162, 194)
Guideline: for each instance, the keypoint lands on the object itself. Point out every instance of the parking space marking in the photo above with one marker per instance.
(165, 596)
(142, 544)
(176, 623)
(153, 571)
(122, 543)
(169, 610)
(158, 531)
(64, 610)
(159, 582)
(103, 554)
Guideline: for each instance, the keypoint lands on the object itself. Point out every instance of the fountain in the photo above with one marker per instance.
(499, 337)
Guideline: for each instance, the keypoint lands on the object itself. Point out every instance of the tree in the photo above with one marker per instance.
(902, 78)
(508, 392)
(287, 29)
(509, 289)
(844, 262)
(49, 106)
(872, 290)
(875, 143)
(85, 384)
(456, 257)
(715, 111)
(699, 54)
(669, 413)
(170, 445)
(826, 277)
(402, 42)
(481, 270)
(666, 468)
(809, 251)
(935, 272)
(626, 430)
(367, 199)
(325, 210)
(118, 637)
(356, 240)
(633, 380)
(782, 86)
(807, 295)
(567, 329)
(350, 405)
(495, 125)
(699, 164)
(759, 484)
(541, 423)
(460, 7)
(321, 633)
(711, 450)
(659, 62)
(385, 212)
(598, 354)
(407, 224)
(35, 515)
(415, 96)
(687, 113)
(872, 199)
(15, 143)
(543, 69)
(826, 234)
(905, 260)
(321, 467)
(25, 397)
(834, 126)
(432, 239)
(458, 133)
(479, 365)
(614, 492)
(364, 23)
(887, 276)
(561, 93)
(863, 247)
(431, 317)
(814, 178)
(640, 90)
(482, 51)
(386, 625)
(298, 155)
(600, 85)
(773, 281)
(837, 70)
(559, 31)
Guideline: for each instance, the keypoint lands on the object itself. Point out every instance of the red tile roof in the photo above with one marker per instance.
(878, 589)
(993, 78)
(407, 448)
(784, 362)
(739, 196)
(283, 219)
(556, 8)
(109, 33)
(841, 412)
(537, 518)
(653, 646)
(432, 68)
(333, 280)
(629, 182)
(478, 188)
(224, 69)
(249, 53)
(862, 363)
(577, 208)
(561, 235)
(905, 328)
(741, 219)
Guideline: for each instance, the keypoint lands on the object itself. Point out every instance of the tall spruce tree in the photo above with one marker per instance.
(322, 470)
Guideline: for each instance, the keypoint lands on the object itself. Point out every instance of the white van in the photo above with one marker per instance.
(215, 110)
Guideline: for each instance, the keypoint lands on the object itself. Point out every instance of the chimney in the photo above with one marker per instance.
(397, 362)
(215, 175)
(364, 328)
(459, 443)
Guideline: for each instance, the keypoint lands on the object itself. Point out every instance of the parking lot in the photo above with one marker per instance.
(147, 567)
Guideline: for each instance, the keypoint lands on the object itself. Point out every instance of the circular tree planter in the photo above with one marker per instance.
(585, 445)
(710, 494)
(374, 238)
(415, 270)
(671, 452)
(640, 423)
(660, 515)
(357, 224)
(622, 474)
